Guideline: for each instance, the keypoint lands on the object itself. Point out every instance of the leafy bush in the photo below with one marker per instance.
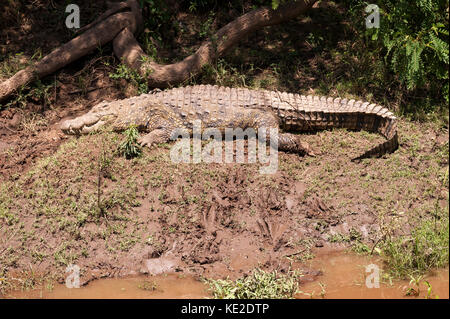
(413, 38)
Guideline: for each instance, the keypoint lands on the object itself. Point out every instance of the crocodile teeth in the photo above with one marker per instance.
(88, 129)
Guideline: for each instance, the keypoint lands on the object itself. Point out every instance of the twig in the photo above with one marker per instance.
(297, 253)
(378, 241)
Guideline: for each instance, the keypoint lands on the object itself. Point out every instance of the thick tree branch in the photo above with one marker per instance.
(128, 49)
(102, 33)
(120, 27)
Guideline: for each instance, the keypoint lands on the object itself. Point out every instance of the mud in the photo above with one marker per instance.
(342, 276)
(34, 132)
(169, 286)
(213, 220)
(196, 220)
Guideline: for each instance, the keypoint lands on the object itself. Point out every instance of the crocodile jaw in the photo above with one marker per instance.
(100, 115)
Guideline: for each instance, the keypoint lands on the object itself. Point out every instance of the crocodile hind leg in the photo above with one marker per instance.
(292, 143)
(287, 142)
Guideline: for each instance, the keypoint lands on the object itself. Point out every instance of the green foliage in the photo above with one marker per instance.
(205, 30)
(127, 73)
(157, 16)
(259, 285)
(415, 290)
(277, 3)
(37, 92)
(413, 38)
(197, 5)
(426, 248)
(130, 147)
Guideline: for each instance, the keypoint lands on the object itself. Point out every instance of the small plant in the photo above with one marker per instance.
(322, 289)
(205, 30)
(125, 72)
(33, 122)
(148, 285)
(415, 291)
(130, 148)
(430, 291)
(312, 294)
(37, 92)
(416, 282)
(259, 285)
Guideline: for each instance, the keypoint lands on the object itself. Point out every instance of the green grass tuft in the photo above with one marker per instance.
(259, 285)
(130, 147)
(426, 248)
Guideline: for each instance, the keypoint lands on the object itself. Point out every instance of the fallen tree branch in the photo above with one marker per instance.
(119, 27)
(113, 8)
(129, 51)
(102, 33)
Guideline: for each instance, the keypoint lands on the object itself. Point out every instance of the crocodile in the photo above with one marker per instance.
(160, 112)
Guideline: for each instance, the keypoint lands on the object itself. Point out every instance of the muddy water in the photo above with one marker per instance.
(170, 286)
(344, 276)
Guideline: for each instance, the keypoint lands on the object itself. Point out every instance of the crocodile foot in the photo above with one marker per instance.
(306, 149)
(292, 143)
(154, 137)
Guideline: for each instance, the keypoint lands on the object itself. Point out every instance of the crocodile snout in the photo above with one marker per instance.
(81, 125)
(65, 126)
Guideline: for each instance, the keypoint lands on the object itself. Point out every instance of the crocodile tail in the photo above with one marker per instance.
(386, 126)
(325, 112)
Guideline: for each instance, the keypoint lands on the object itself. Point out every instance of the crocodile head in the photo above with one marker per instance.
(113, 114)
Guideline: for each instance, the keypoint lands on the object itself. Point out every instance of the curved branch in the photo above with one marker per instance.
(120, 27)
(128, 49)
(114, 8)
(102, 33)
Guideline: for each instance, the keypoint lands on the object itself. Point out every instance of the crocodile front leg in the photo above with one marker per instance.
(160, 123)
(157, 136)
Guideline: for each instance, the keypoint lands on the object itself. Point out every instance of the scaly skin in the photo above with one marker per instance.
(160, 113)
